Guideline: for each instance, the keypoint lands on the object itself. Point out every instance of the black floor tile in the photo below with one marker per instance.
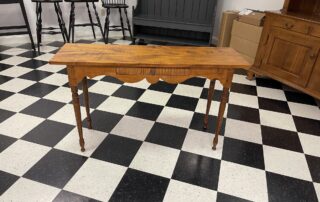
(26, 46)
(3, 57)
(128, 92)
(300, 98)
(5, 94)
(65, 196)
(195, 169)
(182, 102)
(268, 83)
(145, 111)
(33, 63)
(282, 188)
(216, 95)
(197, 123)
(281, 138)
(56, 168)
(111, 80)
(5, 142)
(39, 89)
(43, 108)
(3, 48)
(35, 75)
(117, 150)
(30, 54)
(196, 81)
(241, 152)
(273, 105)
(94, 100)
(6, 180)
(305, 125)
(163, 87)
(90, 82)
(4, 66)
(103, 121)
(139, 186)
(167, 135)
(56, 44)
(4, 114)
(314, 167)
(243, 113)
(48, 133)
(4, 79)
(64, 71)
(244, 89)
(221, 197)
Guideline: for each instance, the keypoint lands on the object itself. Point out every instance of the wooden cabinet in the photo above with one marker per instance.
(289, 49)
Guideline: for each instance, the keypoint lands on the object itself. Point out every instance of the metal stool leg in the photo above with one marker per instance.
(121, 21)
(106, 26)
(98, 21)
(39, 23)
(23, 9)
(59, 22)
(91, 22)
(128, 23)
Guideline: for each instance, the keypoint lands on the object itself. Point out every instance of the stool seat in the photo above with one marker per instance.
(47, 1)
(115, 6)
(79, 1)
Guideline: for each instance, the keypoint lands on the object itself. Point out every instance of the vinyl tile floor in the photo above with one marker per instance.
(148, 143)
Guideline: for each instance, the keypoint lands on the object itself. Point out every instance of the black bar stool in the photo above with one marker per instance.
(116, 4)
(51, 29)
(72, 18)
(26, 26)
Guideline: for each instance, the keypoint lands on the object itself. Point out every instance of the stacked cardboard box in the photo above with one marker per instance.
(244, 33)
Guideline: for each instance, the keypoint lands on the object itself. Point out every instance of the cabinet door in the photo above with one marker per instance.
(290, 56)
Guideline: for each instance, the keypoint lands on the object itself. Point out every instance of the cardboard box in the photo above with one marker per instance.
(245, 39)
(254, 18)
(226, 28)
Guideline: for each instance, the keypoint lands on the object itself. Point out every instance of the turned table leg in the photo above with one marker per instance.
(86, 101)
(76, 106)
(223, 103)
(210, 95)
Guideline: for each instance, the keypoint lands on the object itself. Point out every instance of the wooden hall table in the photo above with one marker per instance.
(173, 64)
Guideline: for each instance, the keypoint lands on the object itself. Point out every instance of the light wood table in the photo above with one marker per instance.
(173, 64)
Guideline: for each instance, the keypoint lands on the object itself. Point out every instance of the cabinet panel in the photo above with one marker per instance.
(314, 82)
(290, 55)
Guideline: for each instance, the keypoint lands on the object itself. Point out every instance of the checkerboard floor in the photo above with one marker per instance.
(148, 143)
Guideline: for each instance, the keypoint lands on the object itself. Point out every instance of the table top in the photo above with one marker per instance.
(148, 56)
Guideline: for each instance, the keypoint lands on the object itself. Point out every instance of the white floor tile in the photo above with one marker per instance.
(155, 159)
(61, 94)
(182, 192)
(96, 179)
(92, 139)
(317, 187)
(15, 71)
(277, 120)
(176, 117)
(19, 124)
(245, 131)
(105, 88)
(187, 90)
(214, 109)
(14, 60)
(21, 156)
(56, 79)
(244, 100)
(144, 84)
(201, 143)
(242, 79)
(133, 127)
(17, 102)
(51, 68)
(45, 57)
(303, 110)
(28, 190)
(242, 181)
(16, 85)
(271, 93)
(116, 105)
(14, 51)
(155, 97)
(285, 162)
(66, 115)
(310, 144)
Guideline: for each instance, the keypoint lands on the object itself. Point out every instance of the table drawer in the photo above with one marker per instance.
(315, 31)
(292, 24)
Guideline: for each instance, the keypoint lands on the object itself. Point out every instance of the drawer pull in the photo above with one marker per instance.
(289, 26)
(313, 56)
